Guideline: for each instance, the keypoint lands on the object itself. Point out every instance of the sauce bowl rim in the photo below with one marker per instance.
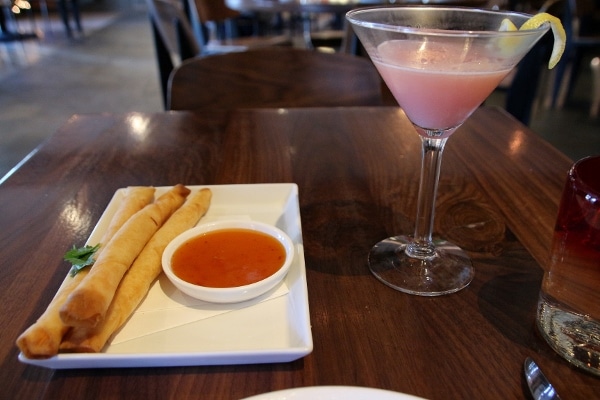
(236, 293)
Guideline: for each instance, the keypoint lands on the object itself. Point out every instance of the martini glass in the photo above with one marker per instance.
(440, 63)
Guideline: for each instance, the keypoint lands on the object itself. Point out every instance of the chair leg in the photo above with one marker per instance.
(45, 15)
(563, 86)
(569, 78)
(64, 15)
(595, 107)
(66, 7)
(76, 15)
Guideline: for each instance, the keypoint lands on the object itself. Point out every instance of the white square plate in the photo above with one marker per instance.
(276, 330)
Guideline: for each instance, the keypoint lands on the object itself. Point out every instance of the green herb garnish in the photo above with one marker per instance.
(80, 257)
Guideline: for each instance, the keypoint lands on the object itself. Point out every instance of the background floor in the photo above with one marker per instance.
(43, 83)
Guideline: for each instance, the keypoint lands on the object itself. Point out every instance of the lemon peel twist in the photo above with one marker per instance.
(560, 37)
(507, 26)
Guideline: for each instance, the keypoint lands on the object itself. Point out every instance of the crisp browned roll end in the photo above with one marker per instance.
(40, 344)
(80, 310)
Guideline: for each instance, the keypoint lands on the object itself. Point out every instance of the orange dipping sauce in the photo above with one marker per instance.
(228, 258)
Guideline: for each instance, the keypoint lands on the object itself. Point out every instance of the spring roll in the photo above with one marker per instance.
(42, 339)
(137, 281)
(87, 304)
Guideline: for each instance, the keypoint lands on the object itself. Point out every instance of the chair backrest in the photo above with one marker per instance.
(173, 37)
(274, 77)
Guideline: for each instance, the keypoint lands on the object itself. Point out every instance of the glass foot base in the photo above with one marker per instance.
(448, 271)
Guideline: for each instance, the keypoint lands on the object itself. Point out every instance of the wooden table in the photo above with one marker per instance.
(357, 171)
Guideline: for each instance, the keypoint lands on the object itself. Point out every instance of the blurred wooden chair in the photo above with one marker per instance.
(174, 40)
(214, 25)
(274, 77)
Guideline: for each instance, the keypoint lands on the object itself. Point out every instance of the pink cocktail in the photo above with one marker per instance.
(440, 63)
(436, 96)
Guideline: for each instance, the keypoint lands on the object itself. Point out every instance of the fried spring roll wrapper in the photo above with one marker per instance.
(42, 339)
(135, 198)
(136, 283)
(87, 304)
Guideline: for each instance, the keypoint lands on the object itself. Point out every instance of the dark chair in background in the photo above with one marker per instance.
(275, 77)
(174, 39)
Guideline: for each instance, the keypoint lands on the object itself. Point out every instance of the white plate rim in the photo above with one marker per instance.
(333, 393)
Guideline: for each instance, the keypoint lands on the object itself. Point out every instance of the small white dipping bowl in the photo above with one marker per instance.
(230, 294)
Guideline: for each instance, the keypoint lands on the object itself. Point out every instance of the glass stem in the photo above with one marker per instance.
(422, 246)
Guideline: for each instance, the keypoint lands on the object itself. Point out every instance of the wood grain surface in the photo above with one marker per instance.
(357, 170)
